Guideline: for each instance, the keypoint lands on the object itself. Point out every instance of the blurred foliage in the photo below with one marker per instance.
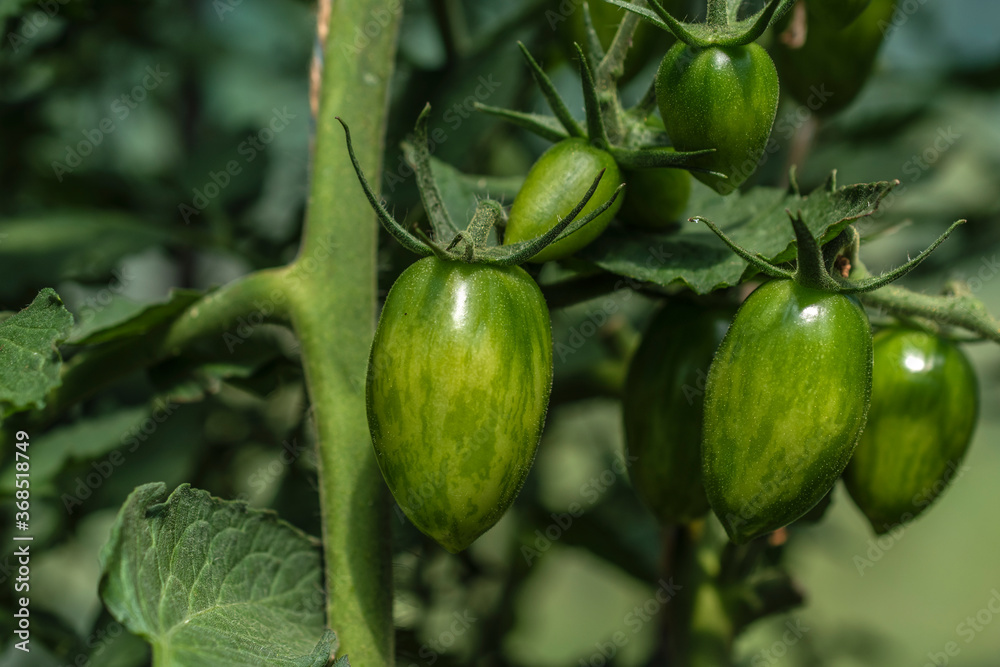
(151, 145)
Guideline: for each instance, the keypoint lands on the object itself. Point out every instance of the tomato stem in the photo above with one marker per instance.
(333, 299)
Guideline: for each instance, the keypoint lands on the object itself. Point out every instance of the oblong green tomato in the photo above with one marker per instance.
(662, 408)
(923, 413)
(458, 384)
(785, 403)
(721, 97)
(830, 69)
(554, 186)
(837, 13)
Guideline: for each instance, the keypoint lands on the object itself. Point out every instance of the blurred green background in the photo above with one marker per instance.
(114, 116)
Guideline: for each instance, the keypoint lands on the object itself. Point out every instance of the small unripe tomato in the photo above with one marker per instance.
(721, 97)
(554, 186)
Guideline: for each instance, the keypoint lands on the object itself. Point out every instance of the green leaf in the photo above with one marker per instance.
(84, 440)
(29, 360)
(125, 318)
(696, 258)
(81, 245)
(210, 582)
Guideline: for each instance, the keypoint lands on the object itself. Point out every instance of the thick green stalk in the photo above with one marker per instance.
(333, 308)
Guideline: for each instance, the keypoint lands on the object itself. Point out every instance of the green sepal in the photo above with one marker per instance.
(552, 96)
(595, 122)
(396, 230)
(722, 31)
(658, 156)
(546, 127)
(419, 157)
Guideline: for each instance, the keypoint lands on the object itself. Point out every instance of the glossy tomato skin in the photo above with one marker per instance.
(458, 385)
(662, 407)
(723, 98)
(828, 72)
(924, 408)
(554, 186)
(785, 403)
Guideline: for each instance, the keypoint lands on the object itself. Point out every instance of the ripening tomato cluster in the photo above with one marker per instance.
(461, 365)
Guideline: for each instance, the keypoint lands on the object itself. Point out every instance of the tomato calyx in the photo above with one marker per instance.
(470, 245)
(722, 27)
(816, 267)
(609, 127)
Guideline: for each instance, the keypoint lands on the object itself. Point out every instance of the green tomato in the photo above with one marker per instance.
(662, 408)
(721, 97)
(458, 385)
(837, 13)
(554, 186)
(655, 198)
(923, 413)
(785, 404)
(831, 68)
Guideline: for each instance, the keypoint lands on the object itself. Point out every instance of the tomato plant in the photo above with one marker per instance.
(923, 413)
(432, 441)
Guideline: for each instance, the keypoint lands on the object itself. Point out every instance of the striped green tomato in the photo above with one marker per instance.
(458, 385)
(923, 413)
(785, 403)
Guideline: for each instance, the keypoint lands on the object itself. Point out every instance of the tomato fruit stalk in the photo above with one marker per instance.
(458, 385)
(923, 413)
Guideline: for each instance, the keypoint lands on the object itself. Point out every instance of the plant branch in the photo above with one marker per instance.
(333, 305)
(215, 315)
